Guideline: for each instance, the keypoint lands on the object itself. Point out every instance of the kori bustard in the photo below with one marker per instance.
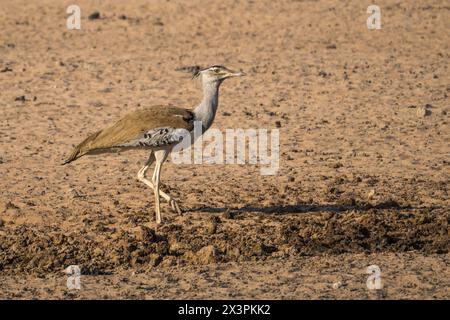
(158, 129)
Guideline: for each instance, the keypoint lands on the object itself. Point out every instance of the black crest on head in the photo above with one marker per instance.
(194, 70)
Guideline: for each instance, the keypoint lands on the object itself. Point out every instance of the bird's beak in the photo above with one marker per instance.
(236, 74)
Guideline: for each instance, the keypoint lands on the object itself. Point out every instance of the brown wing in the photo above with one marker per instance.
(132, 126)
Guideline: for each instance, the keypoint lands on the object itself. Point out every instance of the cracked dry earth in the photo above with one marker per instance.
(364, 143)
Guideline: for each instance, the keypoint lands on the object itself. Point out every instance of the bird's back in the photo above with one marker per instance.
(132, 127)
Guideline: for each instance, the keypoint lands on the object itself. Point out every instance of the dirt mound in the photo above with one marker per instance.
(227, 237)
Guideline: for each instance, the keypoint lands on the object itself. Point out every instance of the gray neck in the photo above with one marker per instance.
(206, 110)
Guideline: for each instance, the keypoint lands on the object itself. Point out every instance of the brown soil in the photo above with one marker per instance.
(364, 168)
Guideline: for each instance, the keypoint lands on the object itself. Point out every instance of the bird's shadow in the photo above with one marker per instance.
(306, 208)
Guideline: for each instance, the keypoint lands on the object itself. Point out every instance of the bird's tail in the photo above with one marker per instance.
(76, 153)
(81, 149)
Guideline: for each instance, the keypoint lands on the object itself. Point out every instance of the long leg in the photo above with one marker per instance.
(141, 177)
(161, 156)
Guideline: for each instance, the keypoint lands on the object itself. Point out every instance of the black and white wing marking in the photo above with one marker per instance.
(159, 137)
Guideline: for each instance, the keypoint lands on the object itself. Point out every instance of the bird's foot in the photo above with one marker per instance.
(175, 206)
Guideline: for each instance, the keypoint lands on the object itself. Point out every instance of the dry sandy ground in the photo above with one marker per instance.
(402, 274)
(364, 138)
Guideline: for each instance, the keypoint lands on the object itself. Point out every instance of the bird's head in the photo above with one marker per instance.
(212, 74)
(218, 73)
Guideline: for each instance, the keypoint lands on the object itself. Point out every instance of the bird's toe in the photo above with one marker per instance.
(175, 206)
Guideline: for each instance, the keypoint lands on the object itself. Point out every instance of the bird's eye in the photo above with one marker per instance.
(216, 70)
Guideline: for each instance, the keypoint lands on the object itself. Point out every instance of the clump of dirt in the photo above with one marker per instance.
(26, 249)
(247, 237)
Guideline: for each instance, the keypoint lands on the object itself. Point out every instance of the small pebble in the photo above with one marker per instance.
(423, 112)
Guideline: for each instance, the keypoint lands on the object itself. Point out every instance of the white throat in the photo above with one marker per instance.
(206, 110)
